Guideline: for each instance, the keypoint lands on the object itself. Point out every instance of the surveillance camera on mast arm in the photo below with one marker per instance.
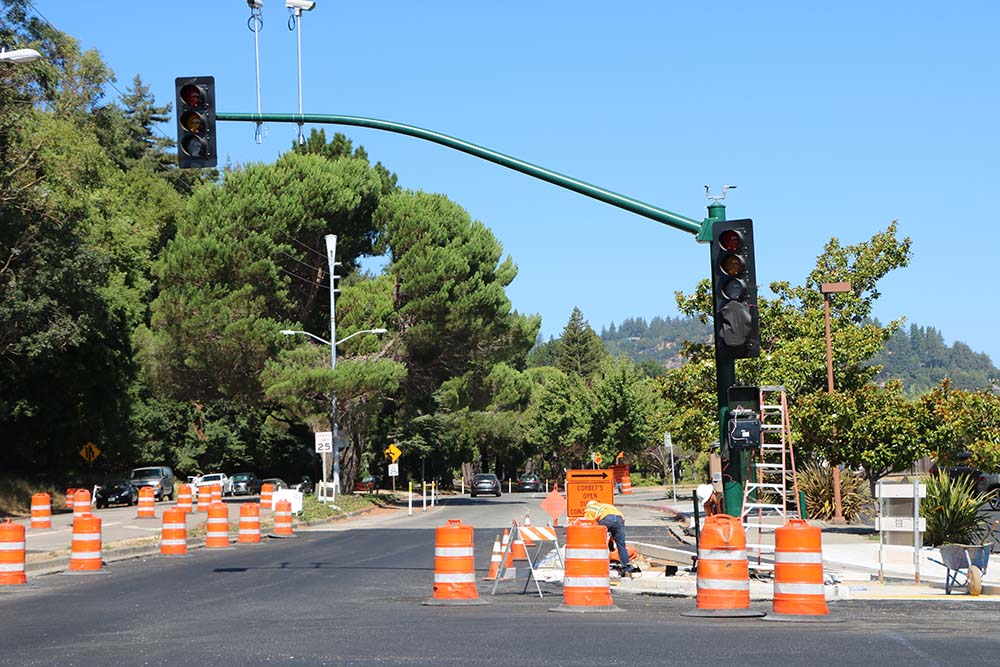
(301, 5)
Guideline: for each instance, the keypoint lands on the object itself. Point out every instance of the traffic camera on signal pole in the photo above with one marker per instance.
(195, 100)
(734, 290)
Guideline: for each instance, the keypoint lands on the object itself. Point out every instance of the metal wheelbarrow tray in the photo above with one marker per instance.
(966, 560)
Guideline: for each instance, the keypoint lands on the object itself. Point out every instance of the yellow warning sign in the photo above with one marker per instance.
(89, 452)
(393, 452)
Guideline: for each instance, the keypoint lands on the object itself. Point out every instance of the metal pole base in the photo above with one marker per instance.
(282, 537)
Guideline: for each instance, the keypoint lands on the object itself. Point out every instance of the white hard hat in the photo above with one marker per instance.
(704, 492)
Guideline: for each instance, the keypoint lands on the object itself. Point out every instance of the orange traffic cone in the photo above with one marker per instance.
(528, 542)
(510, 570)
(495, 558)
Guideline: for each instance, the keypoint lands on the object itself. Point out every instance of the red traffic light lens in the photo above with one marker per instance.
(731, 240)
(193, 95)
(732, 265)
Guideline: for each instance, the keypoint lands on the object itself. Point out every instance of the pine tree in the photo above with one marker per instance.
(582, 350)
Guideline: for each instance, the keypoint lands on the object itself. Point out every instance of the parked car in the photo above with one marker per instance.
(159, 478)
(305, 486)
(368, 484)
(277, 483)
(989, 482)
(962, 469)
(529, 483)
(245, 484)
(485, 483)
(219, 478)
(116, 492)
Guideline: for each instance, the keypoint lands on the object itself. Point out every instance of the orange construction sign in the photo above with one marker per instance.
(554, 504)
(583, 486)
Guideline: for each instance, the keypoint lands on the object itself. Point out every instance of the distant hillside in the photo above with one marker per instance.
(919, 357)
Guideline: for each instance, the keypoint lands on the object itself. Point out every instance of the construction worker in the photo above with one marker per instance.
(609, 516)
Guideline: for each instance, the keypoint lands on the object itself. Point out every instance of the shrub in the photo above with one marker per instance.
(816, 482)
(954, 511)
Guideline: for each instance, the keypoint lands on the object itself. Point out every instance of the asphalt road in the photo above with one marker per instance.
(350, 594)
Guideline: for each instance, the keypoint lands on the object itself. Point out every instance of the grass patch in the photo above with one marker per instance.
(15, 496)
(313, 510)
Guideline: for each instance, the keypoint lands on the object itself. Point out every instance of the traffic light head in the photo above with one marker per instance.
(734, 290)
(195, 99)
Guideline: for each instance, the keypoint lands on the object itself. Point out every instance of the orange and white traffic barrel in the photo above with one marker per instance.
(12, 554)
(249, 524)
(266, 492)
(723, 570)
(41, 510)
(70, 491)
(184, 498)
(204, 498)
(454, 566)
(85, 556)
(216, 493)
(282, 520)
(147, 503)
(81, 503)
(217, 528)
(798, 573)
(173, 537)
(587, 582)
(626, 484)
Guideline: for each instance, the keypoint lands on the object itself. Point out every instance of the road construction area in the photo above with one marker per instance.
(355, 592)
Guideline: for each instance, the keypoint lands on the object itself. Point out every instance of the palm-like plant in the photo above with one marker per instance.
(953, 510)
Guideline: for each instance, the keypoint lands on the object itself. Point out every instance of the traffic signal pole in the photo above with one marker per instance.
(734, 468)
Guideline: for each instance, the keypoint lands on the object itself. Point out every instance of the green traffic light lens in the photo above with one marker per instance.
(194, 146)
(734, 289)
(193, 95)
(730, 240)
(732, 265)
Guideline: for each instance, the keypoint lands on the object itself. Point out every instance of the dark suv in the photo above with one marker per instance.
(485, 483)
(159, 478)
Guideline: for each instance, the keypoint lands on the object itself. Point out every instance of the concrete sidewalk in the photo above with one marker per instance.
(851, 556)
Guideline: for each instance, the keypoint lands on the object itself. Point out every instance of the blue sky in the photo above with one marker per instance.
(833, 119)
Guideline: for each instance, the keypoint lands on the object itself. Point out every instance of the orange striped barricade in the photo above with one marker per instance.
(266, 491)
(587, 584)
(173, 538)
(184, 498)
(515, 550)
(216, 494)
(249, 524)
(147, 503)
(41, 510)
(12, 554)
(217, 528)
(204, 498)
(85, 556)
(454, 566)
(723, 570)
(283, 520)
(81, 503)
(798, 574)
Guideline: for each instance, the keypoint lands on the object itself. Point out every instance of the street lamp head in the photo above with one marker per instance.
(380, 331)
(20, 56)
(287, 332)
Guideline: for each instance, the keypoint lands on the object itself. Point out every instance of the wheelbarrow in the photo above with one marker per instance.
(966, 564)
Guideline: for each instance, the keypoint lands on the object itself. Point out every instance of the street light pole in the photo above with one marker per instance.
(826, 289)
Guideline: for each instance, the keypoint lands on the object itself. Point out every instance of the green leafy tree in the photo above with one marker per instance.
(559, 417)
(957, 420)
(580, 348)
(623, 411)
(870, 428)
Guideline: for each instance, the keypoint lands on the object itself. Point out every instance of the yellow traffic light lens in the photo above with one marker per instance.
(732, 265)
(193, 96)
(730, 240)
(192, 121)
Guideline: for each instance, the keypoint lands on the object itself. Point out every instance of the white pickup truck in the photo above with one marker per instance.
(211, 478)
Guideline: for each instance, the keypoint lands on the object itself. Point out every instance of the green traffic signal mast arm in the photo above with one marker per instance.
(607, 196)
